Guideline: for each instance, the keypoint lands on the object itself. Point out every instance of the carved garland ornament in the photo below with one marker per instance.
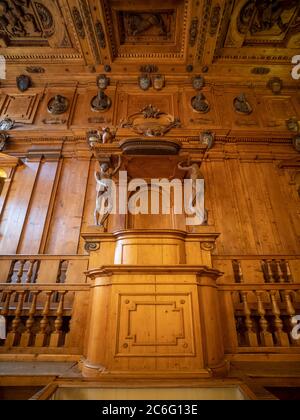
(151, 122)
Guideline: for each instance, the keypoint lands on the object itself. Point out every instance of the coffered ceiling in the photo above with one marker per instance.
(176, 35)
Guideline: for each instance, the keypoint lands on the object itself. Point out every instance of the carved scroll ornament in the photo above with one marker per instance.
(151, 122)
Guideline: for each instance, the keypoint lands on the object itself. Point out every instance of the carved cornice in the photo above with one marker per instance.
(84, 6)
(204, 27)
(109, 270)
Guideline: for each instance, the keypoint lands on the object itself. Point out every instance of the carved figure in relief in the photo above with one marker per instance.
(200, 104)
(139, 23)
(194, 173)
(269, 13)
(241, 105)
(103, 192)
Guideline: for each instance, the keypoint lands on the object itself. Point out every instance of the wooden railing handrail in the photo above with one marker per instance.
(10, 287)
(43, 257)
(236, 287)
(256, 257)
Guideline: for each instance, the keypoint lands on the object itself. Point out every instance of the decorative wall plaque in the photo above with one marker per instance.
(102, 82)
(144, 82)
(23, 82)
(275, 84)
(207, 138)
(158, 81)
(198, 82)
(6, 124)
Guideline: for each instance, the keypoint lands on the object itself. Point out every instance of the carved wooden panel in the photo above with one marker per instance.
(138, 31)
(276, 110)
(229, 117)
(169, 325)
(130, 103)
(20, 108)
(47, 117)
(85, 116)
(192, 118)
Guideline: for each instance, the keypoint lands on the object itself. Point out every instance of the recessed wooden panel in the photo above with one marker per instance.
(276, 110)
(131, 103)
(20, 108)
(168, 321)
(85, 116)
(193, 118)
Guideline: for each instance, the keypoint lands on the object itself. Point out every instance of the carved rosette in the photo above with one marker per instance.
(92, 246)
(207, 246)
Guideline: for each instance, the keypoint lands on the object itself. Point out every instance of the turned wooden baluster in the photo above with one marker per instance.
(30, 271)
(288, 272)
(291, 312)
(266, 337)
(41, 337)
(280, 272)
(281, 337)
(27, 336)
(5, 308)
(21, 271)
(57, 335)
(266, 270)
(13, 337)
(251, 338)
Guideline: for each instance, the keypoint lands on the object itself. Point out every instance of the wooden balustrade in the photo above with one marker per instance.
(35, 269)
(37, 321)
(262, 315)
(251, 269)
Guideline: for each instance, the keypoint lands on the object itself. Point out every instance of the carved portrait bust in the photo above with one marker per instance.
(200, 104)
(58, 105)
(101, 102)
(241, 105)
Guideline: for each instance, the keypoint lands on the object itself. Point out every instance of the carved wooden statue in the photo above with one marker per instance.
(103, 199)
(194, 173)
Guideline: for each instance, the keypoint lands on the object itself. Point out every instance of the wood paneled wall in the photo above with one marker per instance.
(252, 204)
(50, 198)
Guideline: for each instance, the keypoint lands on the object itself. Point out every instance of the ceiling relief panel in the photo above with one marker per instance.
(37, 30)
(137, 30)
(30, 23)
(257, 27)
